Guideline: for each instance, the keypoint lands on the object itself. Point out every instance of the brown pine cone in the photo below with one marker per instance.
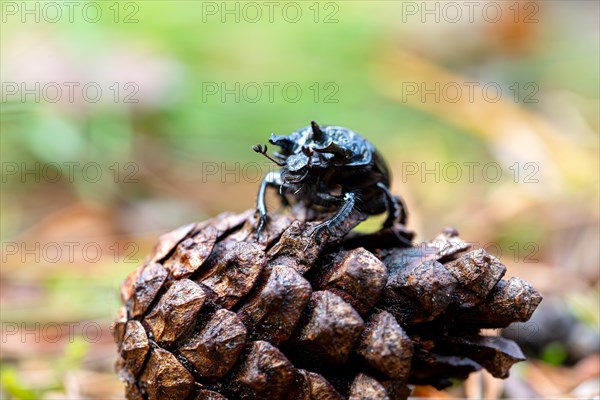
(215, 314)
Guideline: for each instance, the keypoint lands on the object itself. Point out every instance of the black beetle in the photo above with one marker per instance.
(332, 168)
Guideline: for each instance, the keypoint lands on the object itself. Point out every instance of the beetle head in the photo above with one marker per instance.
(285, 142)
(296, 168)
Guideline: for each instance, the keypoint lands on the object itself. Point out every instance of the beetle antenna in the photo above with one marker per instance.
(263, 150)
(318, 134)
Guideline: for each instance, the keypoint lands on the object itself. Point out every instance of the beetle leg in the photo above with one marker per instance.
(271, 179)
(396, 212)
(395, 206)
(403, 210)
(349, 199)
(327, 199)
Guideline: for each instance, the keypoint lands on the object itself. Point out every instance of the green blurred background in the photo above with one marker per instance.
(90, 179)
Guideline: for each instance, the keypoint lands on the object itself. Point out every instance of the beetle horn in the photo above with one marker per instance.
(318, 135)
(334, 149)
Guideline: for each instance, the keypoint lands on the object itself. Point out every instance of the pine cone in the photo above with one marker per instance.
(214, 313)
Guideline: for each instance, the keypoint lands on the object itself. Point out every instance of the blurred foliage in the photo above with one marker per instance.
(14, 385)
(153, 153)
(555, 353)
